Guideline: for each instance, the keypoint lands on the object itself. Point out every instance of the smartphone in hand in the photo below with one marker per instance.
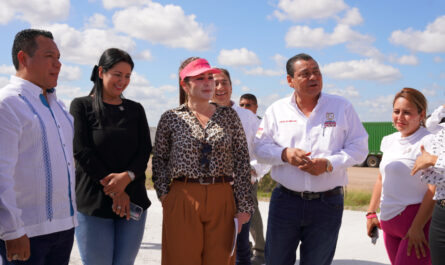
(374, 235)
(135, 211)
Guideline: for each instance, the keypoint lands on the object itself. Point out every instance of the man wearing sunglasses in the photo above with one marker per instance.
(248, 101)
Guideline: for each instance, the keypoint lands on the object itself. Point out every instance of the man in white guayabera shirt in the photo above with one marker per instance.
(309, 138)
(37, 198)
(222, 96)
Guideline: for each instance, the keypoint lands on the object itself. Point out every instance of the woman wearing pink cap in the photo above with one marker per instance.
(200, 148)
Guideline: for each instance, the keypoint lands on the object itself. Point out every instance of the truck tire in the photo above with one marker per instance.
(373, 161)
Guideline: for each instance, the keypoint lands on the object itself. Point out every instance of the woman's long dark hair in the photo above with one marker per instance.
(109, 58)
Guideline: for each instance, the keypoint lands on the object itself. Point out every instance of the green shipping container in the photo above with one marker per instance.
(376, 131)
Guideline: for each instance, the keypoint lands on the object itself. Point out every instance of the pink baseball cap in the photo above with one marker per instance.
(197, 67)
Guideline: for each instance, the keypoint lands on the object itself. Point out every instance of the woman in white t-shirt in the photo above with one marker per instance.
(406, 203)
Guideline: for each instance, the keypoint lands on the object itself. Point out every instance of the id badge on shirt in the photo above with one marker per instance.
(330, 121)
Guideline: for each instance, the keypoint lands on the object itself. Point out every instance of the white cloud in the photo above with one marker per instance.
(297, 10)
(97, 21)
(428, 92)
(263, 72)
(306, 37)
(352, 17)
(173, 76)
(366, 49)
(381, 104)
(85, 47)
(145, 55)
(369, 69)
(156, 100)
(245, 89)
(167, 25)
(6, 13)
(430, 40)
(70, 73)
(67, 92)
(109, 4)
(236, 82)
(405, 59)
(265, 101)
(7, 69)
(349, 92)
(238, 57)
(138, 80)
(34, 12)
(279, 59)
(438, 59)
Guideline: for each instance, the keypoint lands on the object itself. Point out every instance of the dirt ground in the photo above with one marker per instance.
(362, 178)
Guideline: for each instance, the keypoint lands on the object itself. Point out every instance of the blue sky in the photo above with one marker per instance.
(367, 50)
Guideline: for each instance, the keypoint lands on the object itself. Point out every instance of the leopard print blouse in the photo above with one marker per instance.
(178, 151)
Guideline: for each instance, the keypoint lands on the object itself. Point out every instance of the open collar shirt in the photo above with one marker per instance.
(37, 194)
(332, 131)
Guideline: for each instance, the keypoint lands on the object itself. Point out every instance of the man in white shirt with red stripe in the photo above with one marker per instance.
(309, 139)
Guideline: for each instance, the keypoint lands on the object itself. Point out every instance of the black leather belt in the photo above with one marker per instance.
(441, 203)
(205, 180)
(308, 195)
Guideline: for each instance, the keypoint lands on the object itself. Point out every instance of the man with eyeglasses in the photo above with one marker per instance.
(222, 96)
(310, 138)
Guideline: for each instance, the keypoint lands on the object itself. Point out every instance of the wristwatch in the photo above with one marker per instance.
(329, 167)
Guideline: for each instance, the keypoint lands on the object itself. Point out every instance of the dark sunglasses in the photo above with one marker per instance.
(247, 105)
(206, 149)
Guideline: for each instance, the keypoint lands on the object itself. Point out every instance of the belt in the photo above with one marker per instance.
(205, 180)
(441, 203)
(308, 195)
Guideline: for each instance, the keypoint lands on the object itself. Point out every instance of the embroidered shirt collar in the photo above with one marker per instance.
(30, 87)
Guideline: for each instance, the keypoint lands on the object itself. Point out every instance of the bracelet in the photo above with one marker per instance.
(369, 213)
(371, 216)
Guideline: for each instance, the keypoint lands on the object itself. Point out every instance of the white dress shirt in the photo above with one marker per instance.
(399, 188)
(37, 194)
(250, 124)
(433, 122)
(332, 131)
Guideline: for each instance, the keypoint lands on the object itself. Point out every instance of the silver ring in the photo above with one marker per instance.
(118, 207)
(15, 257)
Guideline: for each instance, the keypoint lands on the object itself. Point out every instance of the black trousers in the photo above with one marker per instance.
(437, 236)
(51, 249)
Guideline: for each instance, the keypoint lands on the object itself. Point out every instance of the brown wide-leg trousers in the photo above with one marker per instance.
(198, 226)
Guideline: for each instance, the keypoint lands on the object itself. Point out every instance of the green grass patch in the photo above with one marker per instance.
(357, 199)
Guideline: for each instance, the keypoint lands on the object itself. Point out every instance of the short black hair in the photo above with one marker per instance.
(290, 63)
(250, 97)
(25, 41)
